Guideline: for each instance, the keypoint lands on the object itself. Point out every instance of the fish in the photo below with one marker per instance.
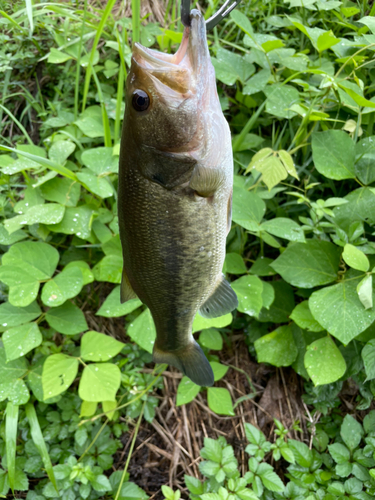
(175, 196)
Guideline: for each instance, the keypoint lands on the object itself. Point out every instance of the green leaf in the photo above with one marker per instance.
(57, 56)
(230, 67)
(59, 371)
(50, 213)
(99, 347)
(23, 288)
(338, 309)
(248, 209)
(249, 293)
(186, 391)
(355, 258)
(200, 323)
(91, 126)
(61, 190)
(20, 340)
(280, 98)
(302, 316)
(10, 371)
(339, 453)
(76, 220)
(11, 424)
(39, 442)
(67, 319)
(368, 21)
(365, 155)
(87, 275)
(101, 483)
(269, 478)
(257, 82)
(219, 401)
(364, 290)
(88, 409)
(212, 450)
(95, 184)
(324, 362)
(61, 150)
(99, 382)
(112, 307)
(193, 484)
(37, 259)
(142, 331)
(13, 316)
(219, 370)
(282, 305)
(360, 207)
(272, 170)
(100, 160)
(242, 21)
(368, 356)
(109, 269)
(284, 228)
(326, 40)
(277, 348)
(16, 391)
(261, 267)
(301, 452)
(234, 264)
(62, 287)
(351, 432)
(309, 264)
(211, 339)
(334, 154)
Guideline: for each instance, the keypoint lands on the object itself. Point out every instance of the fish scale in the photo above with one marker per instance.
(174, 204)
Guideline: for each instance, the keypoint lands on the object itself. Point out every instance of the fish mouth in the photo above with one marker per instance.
(186, 69)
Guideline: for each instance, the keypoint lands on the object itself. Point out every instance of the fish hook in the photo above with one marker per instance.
(213, 20)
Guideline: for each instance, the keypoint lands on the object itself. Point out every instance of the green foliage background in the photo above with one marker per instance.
(295, 80)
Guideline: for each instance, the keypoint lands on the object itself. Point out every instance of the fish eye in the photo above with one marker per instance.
(141, 100)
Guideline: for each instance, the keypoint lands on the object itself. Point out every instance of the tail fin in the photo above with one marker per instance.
(190, 360)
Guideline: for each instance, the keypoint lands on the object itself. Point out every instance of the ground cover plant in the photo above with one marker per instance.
(295, 80)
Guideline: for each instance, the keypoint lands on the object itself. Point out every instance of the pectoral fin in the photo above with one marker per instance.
(206, 180)
(222, 301)
(126, 292)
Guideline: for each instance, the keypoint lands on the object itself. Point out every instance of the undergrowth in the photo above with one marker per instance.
(295, 81)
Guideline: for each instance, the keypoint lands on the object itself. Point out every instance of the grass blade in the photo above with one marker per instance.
(52, 165)
(11, 422)
(39, 442)
(136, 19)
(78, 68)
(29, 10)
(19, 124)
(103, 20)
(107, 129)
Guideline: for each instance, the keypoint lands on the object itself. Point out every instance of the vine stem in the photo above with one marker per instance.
(130, 452)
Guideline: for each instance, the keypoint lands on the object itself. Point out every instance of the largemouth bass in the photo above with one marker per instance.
(175, 196)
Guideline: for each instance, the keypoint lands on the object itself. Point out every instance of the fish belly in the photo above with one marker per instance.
(174, 249)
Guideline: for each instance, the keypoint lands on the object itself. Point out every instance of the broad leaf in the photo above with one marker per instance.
(20, 340)
(99, 382)
(67, 319)
(334, 154)
(309, 264)
(302, 316)
(284, 228)
(200, 323)
(249, 293)
(219, 401)
(211, 339)
(37, 259)
(62, 287)
(355, 258)
(368, 356)
(324, 362)
(338, 309)
(13, 316)
(277, 348)
(99, 347)
(59, 371)
(112, 307)
(142, 331)
(186, 391)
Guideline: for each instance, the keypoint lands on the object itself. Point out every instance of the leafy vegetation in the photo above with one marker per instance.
(295, 81)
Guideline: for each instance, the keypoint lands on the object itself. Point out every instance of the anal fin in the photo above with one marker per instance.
(222, 301)
(126, 292)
